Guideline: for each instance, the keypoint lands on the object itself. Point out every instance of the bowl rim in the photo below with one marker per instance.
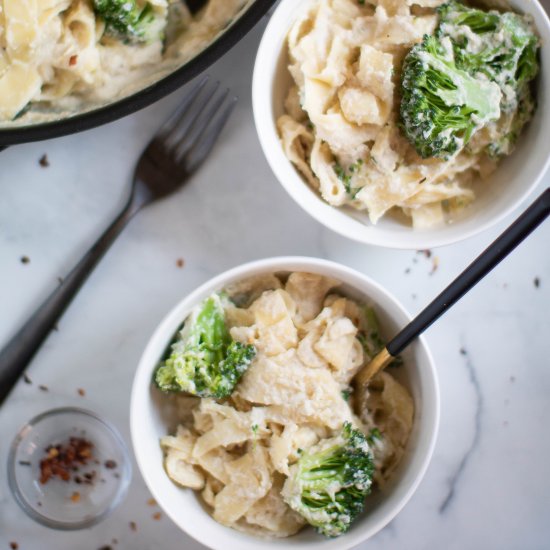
(146, 96)
(336, 218)
(142, 378)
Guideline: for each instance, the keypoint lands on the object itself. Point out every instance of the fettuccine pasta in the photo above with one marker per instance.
(340, 128)
(56, 55)
(310, 342)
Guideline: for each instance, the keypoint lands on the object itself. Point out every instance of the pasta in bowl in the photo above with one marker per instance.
(245, 452)
(348, 108)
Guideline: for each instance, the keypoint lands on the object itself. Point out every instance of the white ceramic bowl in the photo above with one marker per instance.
(509, 186)
(185, 508)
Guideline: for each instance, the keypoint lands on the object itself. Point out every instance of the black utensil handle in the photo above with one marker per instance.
(18, 352)
(484, 263)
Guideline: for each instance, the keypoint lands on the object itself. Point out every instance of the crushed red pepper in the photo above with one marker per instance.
(61, 460)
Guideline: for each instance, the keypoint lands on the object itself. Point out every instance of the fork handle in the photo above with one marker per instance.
(19, 351)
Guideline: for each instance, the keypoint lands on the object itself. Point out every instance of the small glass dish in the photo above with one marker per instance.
(93, 490)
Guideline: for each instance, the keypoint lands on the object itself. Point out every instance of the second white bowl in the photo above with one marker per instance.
(515, 178)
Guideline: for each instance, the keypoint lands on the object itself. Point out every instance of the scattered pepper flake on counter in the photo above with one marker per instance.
(110, 464)
(435, 265)
(42, 387)
(133, 526)
(180, 262)
(25, 260)
(151, 502)
(106, 547)
(81, 392)
(14, 545)
(60, 460)
(44, 161)
(157, 516)
(427, 253)
(463, 351)
(75, 497)
(26, 378)
(24, 463)
(73, 60)
(536, 282)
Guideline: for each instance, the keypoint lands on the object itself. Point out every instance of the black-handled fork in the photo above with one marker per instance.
(171, 157)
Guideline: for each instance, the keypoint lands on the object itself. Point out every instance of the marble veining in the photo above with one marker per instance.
(457, 474)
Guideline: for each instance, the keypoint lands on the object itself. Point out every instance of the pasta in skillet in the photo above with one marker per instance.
(340, 128)
(309, 341)
(60, 55)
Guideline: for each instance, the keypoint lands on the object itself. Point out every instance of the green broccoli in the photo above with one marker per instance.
(131, 20)
(442, 105)
(205, 361)
(493, 49)
(329, 483)
(370, 338)
(512, 125)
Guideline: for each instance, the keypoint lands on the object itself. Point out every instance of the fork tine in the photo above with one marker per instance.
(180, 112)
(188, 140)
(188, 119)
(209, 135)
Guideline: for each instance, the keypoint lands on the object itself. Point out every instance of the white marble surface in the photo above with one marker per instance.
(488, 485)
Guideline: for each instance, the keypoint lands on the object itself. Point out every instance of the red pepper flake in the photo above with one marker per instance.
(43, 388)
(151, 502)
(14, 545)
(133, 526)
(110, 464)
(25, 260)
(180, 262)
(81, 392)
(157, 516)
(75, 497)
(44, 162)
(72, 60)
(60, 460)
(26, 378)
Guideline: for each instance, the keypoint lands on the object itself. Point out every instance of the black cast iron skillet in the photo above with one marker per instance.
(143, 98)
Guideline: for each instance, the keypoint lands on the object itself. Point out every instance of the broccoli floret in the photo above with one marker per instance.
(459, 14)
(492, 48)
(503, 47)
(329, 483)
(130, 20)
(441, 105)
(205, 361)
(513, 125)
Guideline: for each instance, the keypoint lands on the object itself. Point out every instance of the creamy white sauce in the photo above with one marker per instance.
(127, 69)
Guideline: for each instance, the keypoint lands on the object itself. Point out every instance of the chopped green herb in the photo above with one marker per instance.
(374, 435)
(346, 394)
(345, 178)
